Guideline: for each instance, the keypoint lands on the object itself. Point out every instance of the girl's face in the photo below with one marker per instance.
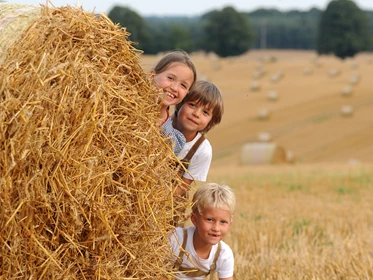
(211, 226)
(175, 81)
(193, 117)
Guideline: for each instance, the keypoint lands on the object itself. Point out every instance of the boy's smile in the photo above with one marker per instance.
(211, 226)
(192, 118)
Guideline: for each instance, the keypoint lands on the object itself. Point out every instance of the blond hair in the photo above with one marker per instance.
(214, 195)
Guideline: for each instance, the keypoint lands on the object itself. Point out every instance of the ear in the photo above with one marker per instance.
(193, 218)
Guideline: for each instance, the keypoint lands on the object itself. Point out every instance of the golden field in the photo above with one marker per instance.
(305, 118)
(310, 217)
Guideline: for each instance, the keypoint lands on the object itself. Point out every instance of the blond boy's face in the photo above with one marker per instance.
(211, 226)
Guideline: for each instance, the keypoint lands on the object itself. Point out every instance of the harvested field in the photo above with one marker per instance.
(306, 119)
(313, 218)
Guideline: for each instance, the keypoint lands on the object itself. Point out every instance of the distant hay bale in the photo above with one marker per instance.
(290, 157)
(264, 137)
(354, 65)
(272, 95)
(334, 72)
(268, 59)
(354, 79)
(262, 153)
(259, 74)
(347, 91)
(276, 77)
(215, 60)
(347, 110)
(85, 175)
(263, 114)
(255, 85)
(307, 71)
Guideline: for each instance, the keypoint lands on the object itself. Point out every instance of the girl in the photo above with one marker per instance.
(175, 74)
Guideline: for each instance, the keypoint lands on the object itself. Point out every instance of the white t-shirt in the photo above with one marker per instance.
(200, 162)
(224, 264)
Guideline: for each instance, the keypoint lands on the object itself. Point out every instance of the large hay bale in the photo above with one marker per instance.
(85, 175)
(262, 153)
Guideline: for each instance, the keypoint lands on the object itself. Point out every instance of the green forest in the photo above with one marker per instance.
(342, 29)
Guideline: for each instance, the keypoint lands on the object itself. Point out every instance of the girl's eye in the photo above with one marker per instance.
(184, 86)
(209, 219)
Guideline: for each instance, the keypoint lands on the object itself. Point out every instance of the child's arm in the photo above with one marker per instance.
(182, 190)
(176, 137)
(229, 278)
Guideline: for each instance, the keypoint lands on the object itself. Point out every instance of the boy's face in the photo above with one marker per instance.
(211, 226)
(193, 117)
(175, 82)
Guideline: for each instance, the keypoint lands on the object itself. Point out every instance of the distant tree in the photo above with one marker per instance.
(344, 30)
(133, 23)
(181, 38)
(227, 32)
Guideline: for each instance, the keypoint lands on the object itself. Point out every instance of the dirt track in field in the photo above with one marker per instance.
(306, 118)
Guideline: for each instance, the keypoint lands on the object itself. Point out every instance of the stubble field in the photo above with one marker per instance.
(310, 214)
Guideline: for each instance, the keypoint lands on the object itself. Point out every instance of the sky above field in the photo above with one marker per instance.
(190, 7)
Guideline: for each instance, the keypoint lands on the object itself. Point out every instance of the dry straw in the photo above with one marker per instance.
(85, 176)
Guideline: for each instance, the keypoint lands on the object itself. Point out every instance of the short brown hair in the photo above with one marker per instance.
(206, 94)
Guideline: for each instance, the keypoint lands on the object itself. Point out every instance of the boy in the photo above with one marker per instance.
(203, 251)
(201, 109)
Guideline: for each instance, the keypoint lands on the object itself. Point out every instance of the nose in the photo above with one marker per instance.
(174, 86)
(215, 226)
(197, 111)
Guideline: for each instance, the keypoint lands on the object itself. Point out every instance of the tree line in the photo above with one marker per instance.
(342, 29)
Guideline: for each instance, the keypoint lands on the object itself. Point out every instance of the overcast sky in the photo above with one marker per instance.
(191, 7)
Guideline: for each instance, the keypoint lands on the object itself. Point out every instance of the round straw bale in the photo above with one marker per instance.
(334, 72)
(259, 73)
(354, 79)
(263, 114)
(264, 137)
(262, 153)
(347, 110)
(255, 85)
(347, 91)
(14, 19)
(307, 71)
(85, 174)
(272, 95)
(276, 77)
(290, 157)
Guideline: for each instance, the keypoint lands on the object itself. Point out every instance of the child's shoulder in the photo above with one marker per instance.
(226, 252)
(205, 142)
